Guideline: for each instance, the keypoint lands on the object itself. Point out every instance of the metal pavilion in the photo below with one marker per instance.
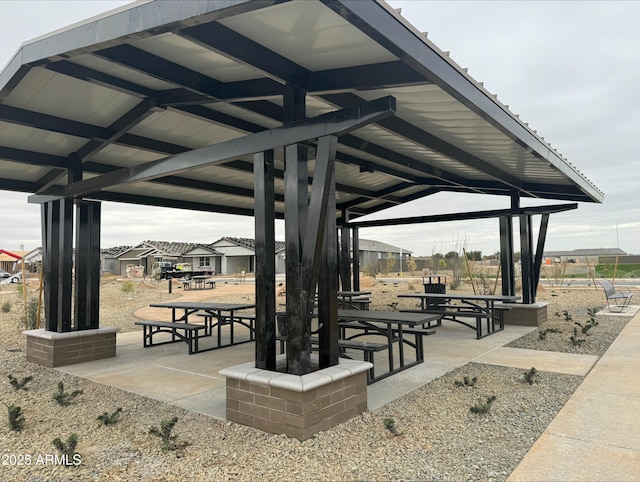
(317, 112)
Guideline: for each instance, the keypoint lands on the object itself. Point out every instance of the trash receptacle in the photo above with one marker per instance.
(435, 284)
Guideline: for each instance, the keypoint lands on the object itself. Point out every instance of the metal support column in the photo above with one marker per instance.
(506, 256)
(345, 255)
(328, 275)
(264, 216)
(537, 265)
(87, 266)
(58, 263)
(298, 317)
(355, 253)
(526, 260)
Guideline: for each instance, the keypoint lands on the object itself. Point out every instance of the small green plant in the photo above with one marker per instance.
(30, 318)
(164, 432)
(565, 313)
(481, 408)
(127, 286)
(67, 448)
(531, 376)
(110, 418)
(63, 398)
(17, 385)
(16, 418)
(390, 425)
(6, 307)
(466, 382)
(543, 334)
(20, 288)
(591, 312)
(575, 341)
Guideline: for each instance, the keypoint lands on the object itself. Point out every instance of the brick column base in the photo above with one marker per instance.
(297, 406)
(533, 314)
(53, 349)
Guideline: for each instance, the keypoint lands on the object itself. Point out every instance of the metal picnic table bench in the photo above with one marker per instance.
(482, 308)
(223, 313)
(391, 325)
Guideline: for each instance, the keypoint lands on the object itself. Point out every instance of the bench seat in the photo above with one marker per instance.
(621, 299)
(190, 336)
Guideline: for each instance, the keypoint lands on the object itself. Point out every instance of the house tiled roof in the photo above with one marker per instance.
(379, 246)
(115, 251)
(250, 243)
(172, 248)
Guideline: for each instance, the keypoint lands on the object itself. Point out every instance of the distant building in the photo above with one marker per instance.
(580, 255)
(378, 255)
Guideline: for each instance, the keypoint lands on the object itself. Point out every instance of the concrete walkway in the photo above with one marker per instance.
(596, 435)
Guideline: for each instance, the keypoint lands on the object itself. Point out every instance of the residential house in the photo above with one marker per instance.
(203, 257)
(8, 260)
(109, 259)
(379, 257)
(239, 254)
(149, 252)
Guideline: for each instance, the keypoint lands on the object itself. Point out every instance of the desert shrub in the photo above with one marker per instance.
(127, 286)
(16, 418)
(6, 307)
(30, 317)
(65, 398)
(110, 418)
(481, 408)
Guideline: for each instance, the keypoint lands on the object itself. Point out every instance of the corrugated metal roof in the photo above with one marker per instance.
(157, 79)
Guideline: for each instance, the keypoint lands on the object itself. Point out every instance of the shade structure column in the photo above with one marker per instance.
(264, 215)
(87, 266)
(58, 263)
(506, 255)
(542, 237)
(526, 259)
(355, 253)
(345, 255)
(328, 276)
(298, 318)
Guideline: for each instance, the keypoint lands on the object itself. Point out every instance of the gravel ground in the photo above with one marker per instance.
(433, 440)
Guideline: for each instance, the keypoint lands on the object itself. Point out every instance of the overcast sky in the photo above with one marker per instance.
(571, 70)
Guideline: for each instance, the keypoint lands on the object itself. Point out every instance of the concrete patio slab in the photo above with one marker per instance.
(547, 361)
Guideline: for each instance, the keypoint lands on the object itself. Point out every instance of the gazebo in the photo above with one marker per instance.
(317, 112)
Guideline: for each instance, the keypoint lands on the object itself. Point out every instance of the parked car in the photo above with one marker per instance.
(4, 274)
(13, 278)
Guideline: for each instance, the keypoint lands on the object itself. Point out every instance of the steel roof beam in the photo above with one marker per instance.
(437, 218)
(333, 123)
(254, 55)
(33, 158)
(431, 142)
(168, 203)
(279, 174)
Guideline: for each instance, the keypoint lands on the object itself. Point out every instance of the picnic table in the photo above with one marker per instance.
(484, 309)
(200, 282)
(392, 325)
(216, 315)
(351, 299)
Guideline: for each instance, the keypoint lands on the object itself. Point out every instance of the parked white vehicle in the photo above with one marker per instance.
(14, 278)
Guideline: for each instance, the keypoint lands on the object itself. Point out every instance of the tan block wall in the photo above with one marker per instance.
(297, 414)
(69, 351)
